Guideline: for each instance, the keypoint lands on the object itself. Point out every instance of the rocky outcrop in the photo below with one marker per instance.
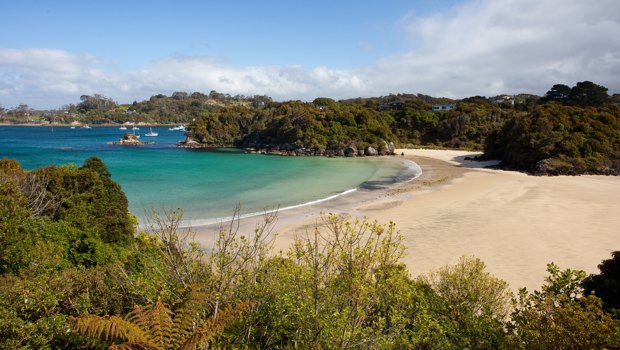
(387, 149)
(371, 151)
(295, 150)
(350, 151)
(191, 143)
(130, 139)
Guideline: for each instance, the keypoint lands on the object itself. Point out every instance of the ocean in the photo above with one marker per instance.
(207, 185)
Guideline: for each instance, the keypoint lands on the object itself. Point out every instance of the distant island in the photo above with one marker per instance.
(570, 130)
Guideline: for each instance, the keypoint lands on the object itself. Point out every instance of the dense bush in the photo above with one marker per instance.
(341, 285)
(560, 139)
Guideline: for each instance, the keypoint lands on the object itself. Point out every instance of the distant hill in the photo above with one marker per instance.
(567, 131)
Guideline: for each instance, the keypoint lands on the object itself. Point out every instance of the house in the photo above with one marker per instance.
(504, 99)
(444, 107)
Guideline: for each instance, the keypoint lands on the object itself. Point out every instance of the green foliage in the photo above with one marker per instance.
(63, 284)
(583, 94)
(558, 317)
(566, 283)
(13, 209)
(157, 326)
(560, 139)
(586, 93)
(557, 93)
(471, 303)
(344, 285)
(97, 103)
(327, 127)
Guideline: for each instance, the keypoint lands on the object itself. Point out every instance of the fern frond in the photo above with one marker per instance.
(161, 324)
(120, 347)
(187, 316)
(139, 317)
(212, 327)
(109, 328)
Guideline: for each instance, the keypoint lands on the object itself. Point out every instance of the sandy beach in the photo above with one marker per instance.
(514, 222)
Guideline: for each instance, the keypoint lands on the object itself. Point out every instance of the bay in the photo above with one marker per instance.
(207, 185)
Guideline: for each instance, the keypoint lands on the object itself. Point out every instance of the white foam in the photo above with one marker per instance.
(205, 222)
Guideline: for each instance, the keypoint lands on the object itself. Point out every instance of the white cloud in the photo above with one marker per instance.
(488, 47)
(481, 47)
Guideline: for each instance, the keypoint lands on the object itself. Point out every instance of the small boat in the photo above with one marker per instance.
(86, 127)
(151, 133)
(73, 127)
(122, 128)
(135, 128)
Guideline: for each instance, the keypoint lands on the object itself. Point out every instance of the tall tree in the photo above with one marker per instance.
(586, 93)
(606, 285)
(558, 93)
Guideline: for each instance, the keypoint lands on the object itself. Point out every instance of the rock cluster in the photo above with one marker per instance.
(287, 149)
(349, 151)
(130, 139)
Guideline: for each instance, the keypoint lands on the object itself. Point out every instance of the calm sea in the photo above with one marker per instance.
(205, 184)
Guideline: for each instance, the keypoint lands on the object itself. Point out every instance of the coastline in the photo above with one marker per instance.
(514, 222)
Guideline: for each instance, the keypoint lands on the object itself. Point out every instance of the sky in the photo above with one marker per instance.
(53, 52)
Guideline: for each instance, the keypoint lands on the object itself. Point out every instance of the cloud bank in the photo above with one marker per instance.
(482, 47)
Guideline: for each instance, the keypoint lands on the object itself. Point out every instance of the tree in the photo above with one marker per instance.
(97, 102)
(559, 317)
(557, 93)
(586, 93)
(23, 110)
(606, 285)
(474, 302)
(96, 164)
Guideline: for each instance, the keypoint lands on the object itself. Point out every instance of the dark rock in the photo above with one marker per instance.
(350, 151)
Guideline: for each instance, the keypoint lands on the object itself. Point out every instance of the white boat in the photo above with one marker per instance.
(151, 133)
(86, 127)
(73, 127)
(122, 128)
(135, 128)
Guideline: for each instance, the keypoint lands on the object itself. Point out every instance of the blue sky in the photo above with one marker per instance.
(51, 52)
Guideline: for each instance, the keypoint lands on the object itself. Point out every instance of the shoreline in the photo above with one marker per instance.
(366, 188)
(515, 223)
(91, 125)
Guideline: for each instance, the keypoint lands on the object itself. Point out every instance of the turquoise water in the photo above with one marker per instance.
(205, 184)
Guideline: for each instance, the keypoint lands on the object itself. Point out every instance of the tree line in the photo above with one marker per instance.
(76, 274)
(570, 130)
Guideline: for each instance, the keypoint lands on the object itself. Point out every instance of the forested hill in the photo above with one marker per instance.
(574, 131)
(568, 131)
(348, 127)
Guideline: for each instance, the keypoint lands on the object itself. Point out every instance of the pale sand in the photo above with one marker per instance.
(514, 222)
